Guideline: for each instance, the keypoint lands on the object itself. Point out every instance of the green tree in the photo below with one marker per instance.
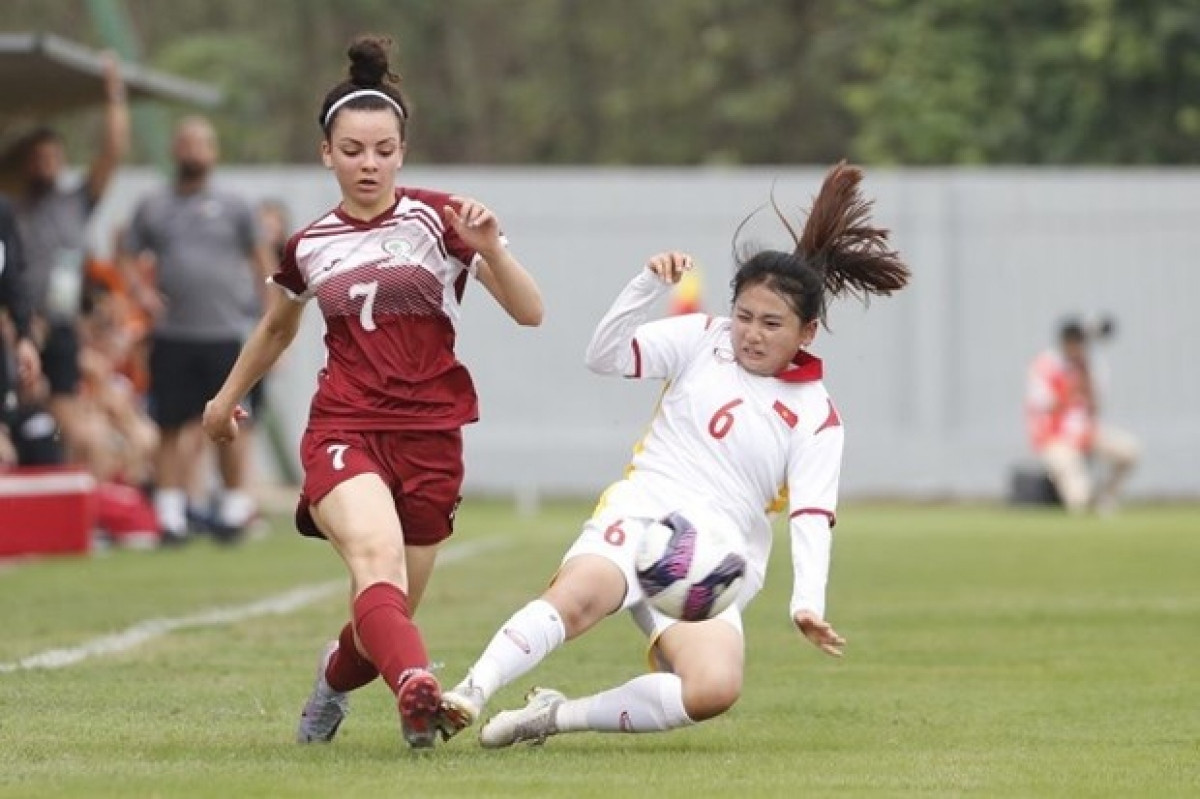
(697, 81)
(1026, 81)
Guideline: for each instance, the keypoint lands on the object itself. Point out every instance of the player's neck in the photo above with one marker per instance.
(363, 213)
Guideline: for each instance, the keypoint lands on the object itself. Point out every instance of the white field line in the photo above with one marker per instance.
(278, 605)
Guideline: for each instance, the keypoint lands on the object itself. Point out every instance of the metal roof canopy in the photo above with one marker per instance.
(42, 74)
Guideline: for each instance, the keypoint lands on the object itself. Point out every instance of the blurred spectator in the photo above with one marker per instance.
(109, 288)
(109, 336)
(15, 335)
(111, 363)
(210, 268)
(53, 221)
(1063, 412)
(33, 431)
(276, 226)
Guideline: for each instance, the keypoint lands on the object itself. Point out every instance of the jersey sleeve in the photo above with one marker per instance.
(624, 343)
(455, 247)
(665, 346)
(288, 275)
(814, 471)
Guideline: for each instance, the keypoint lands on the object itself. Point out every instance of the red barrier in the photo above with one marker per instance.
(46, 511)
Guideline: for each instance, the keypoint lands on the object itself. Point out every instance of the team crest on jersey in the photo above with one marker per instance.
(397, 248)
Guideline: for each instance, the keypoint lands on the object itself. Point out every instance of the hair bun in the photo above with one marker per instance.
(369, 61)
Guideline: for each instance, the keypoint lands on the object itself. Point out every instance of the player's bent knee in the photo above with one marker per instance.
(586, 590)
(579, 610)
(712, 693)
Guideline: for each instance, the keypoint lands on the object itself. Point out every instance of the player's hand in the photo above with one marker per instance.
(474, 223)
(220, 423)
(819, 632)
(670, 266)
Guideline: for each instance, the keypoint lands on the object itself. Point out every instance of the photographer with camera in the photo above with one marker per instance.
(1063, 410)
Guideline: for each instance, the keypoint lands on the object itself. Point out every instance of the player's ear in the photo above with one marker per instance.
(326, 154)
(808, 332)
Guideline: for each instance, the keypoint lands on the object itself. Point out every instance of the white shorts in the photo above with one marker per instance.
(614, 534)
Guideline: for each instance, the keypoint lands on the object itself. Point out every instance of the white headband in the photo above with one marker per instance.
(354, 96)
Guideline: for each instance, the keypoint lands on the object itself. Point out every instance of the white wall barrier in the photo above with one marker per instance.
(929, 382)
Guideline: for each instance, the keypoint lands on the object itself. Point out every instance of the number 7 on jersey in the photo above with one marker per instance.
(366, 314)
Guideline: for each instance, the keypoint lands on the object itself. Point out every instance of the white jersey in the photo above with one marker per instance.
(724, 440)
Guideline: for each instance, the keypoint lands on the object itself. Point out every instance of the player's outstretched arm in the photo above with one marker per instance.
(811, 541)
(610, 351)
(501, 273)
(115, 142)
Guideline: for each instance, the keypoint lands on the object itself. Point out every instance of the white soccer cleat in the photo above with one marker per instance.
(461, 707)
(534, 723)
(325, 709)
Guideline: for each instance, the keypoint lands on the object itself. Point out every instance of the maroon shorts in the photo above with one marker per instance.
(423, 469)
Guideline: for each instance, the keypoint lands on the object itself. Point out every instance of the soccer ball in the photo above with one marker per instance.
(687, 572)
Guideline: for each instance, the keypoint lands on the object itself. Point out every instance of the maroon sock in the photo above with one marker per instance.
(348, 669)
(391, 640)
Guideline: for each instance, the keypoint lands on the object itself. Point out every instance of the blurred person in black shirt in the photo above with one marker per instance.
(16, 344)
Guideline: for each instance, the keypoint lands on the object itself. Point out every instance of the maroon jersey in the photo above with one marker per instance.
(389, 290)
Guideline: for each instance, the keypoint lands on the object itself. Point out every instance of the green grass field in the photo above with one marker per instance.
(992, 652)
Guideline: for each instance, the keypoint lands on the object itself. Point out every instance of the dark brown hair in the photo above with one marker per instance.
(369, 69)
(838, 252)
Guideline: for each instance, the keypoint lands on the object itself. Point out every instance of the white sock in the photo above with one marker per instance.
(650, 703)
(171, 506)
(236, 508)
(521, 643)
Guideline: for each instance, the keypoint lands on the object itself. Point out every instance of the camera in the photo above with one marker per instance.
(1100, 326)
